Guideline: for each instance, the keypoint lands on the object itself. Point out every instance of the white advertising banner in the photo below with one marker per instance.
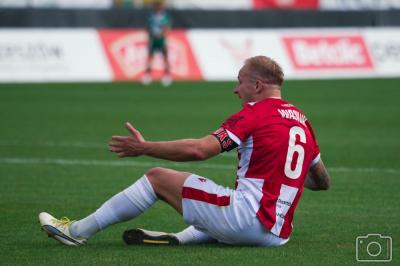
(221, 53)
(94, 4)
(329, 53)
(52, 55)
(384, 46)
(302, 53)
(67, 55)
(359, 4)
(210, 4)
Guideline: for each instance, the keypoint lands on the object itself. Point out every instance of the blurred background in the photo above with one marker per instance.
(44, 40)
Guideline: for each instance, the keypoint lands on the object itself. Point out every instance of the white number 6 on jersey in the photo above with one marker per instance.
(293, 147)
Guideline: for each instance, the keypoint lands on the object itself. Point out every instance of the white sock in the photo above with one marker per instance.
(84, 228)
(124, 206)
(193, 236)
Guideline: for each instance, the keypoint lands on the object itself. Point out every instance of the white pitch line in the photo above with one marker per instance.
(111, 163)
(66, 162)
(56, 144)
(75, 144)
(364, 170)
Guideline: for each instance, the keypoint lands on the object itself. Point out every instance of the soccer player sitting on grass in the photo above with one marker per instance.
(278, 156)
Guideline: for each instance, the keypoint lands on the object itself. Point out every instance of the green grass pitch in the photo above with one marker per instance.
(54, 157)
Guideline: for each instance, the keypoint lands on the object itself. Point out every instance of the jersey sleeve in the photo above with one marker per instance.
(240, 126)
(317, 153)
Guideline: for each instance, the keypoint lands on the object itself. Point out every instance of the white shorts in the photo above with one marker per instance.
(224, 214)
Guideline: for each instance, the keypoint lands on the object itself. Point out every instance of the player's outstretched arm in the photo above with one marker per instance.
(318, 177)
(177, 150)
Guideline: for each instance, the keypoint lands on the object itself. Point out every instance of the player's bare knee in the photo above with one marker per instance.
(327, 184)
(156, 173)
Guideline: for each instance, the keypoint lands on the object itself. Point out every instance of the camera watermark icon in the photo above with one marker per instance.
(374, 248)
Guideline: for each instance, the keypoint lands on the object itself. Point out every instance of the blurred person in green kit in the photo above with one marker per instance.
(159, 24)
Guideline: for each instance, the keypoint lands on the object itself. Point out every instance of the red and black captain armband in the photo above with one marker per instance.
(224, 140)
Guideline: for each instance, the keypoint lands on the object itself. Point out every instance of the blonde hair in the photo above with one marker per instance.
(265, 69)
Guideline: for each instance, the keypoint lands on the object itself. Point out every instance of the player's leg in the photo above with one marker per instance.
(164, 52)
(189, 235)
(166, 79)
(167, 184)
(128, 204)
(146, 78)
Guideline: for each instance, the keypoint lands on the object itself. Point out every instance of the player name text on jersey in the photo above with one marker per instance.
(293, 114)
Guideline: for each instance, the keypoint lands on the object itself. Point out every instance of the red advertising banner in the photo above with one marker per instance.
(127, 52)
(328, 52)
(286, 4)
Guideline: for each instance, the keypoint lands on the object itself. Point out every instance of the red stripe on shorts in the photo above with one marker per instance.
(196, 194)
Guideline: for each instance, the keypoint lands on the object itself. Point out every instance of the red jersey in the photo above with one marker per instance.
(276, 148)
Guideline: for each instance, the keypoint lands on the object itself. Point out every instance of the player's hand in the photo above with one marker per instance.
(125, 146)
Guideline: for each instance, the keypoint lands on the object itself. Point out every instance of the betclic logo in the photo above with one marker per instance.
(328, 52)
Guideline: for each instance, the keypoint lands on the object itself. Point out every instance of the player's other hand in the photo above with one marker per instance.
(125, 146)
